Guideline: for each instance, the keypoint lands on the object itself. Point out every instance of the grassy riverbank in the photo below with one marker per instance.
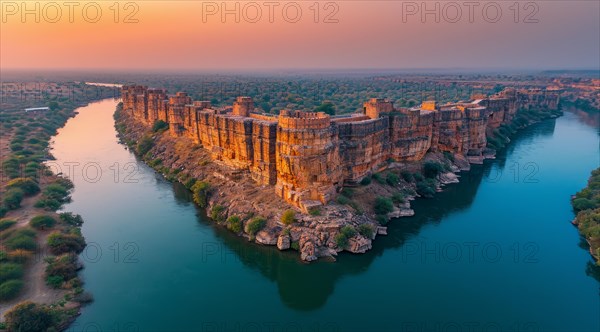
(39, 286)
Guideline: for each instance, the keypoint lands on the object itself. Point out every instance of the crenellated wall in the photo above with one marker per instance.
(307, 156)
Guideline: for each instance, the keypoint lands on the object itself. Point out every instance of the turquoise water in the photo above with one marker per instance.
(495, 252)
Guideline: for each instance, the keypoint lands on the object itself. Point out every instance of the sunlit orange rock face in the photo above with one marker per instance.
(308, 156)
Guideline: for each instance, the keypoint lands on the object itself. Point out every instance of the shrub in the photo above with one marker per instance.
(378, 178)
(346, 232)
(217, 213)
(71, 219)
(366, 230)
(381, 219)
(314, 211)
(20, 255)
(383, 205)
(418, 177)
(54, 281)
(42, 222)
(348, 192)
(392, 179)
(144, 145)
(449, 155)
(426, 188)
(10, 271)
(295, 245)
(580, 204)
(3, 211)
(60, 243)
(234, 223)
(343, 200)
(201, 190)
(21, 239)
(431, 169)
(27, 185)
(288, 217)
(56, 191)
(6, 223)
(48, 204)
(407, 176)
(159, 125)
(10, 289)
(398, 198)
(365, 181)
(28, 317)
(64, 266)
(255, 225)
(12, 198)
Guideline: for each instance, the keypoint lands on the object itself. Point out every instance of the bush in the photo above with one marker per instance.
(366, 230)
(6, 223)
(64, 266)
(392, 179)
(580, 204)
(288, 217)
(217, 213)
(20, 255)
(295, 245)
(10, 289)
(381, 219)
(378, 178)
(10, 271)
(431, 169)
(383, 205)
(42, 222)
(21, 239)
(234, 223)
(314, 211)
(159, 125)
(449, 155)
(418, 177)
(343, 200)
(27, 185)
(12, 198)
(71, 219)
(397, 198)
(426, 188)
(255, 225)
(346, 232)
(407, 176)
(28, 317)
(365, 181)
(54, 281)
(144, 145)
(201, 192)
(48, 204)
(60, 243)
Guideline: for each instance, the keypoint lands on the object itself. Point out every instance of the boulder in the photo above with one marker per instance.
(283, 242)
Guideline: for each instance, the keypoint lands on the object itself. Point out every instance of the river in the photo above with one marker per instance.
(494, 252)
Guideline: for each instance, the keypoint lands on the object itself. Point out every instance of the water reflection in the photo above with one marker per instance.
(308, 286)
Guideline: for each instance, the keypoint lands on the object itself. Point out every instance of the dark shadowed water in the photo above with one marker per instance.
(495, 252)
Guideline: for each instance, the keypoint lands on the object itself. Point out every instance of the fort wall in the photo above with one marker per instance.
(308, 156)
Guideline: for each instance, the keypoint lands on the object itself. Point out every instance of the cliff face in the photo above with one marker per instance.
(307, 156)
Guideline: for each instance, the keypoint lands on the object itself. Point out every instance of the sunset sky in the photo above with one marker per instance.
(368, 34)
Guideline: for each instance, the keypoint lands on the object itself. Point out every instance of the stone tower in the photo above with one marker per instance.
(175, 110)
(243, 106)
(307, 158)
(375, 106)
